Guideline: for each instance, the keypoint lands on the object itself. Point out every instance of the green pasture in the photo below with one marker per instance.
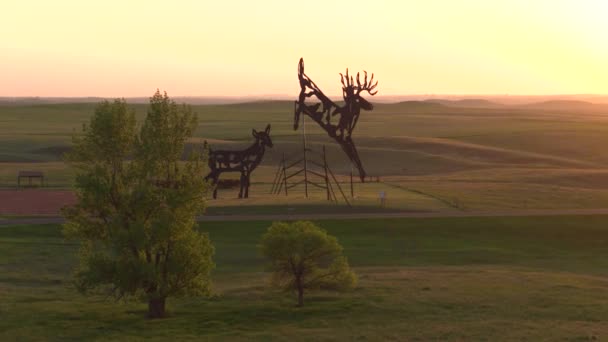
(456, 279)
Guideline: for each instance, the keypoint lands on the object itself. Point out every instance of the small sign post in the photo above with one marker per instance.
(382, 196)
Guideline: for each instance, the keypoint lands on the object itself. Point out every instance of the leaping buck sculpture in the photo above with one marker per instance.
(244, 161)
(323, 110)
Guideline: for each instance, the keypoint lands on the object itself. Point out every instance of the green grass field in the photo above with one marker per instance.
(536, 279)
(430, 156)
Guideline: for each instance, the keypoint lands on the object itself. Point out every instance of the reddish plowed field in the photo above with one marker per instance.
(25, 202)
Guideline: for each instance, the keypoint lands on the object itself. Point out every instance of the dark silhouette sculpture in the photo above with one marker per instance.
(244, 161)
(325, 109)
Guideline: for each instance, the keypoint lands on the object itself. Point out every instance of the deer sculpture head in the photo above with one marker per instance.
(263, 137)
(351, 92)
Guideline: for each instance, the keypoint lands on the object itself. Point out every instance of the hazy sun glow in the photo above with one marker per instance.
(130, 48)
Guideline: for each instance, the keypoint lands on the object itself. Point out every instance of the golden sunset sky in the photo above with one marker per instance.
(210, 48)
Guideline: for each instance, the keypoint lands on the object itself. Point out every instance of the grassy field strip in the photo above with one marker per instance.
(269, 213)
(452, 279)
(472, 146)
(444, 201)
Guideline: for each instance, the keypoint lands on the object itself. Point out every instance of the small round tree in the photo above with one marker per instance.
(137, 205)
(303, 257)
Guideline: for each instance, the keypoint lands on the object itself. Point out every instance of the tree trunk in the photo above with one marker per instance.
(156, 308)
(300, 296)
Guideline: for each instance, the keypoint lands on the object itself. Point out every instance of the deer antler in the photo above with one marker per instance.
(349, 80)
(367, 86)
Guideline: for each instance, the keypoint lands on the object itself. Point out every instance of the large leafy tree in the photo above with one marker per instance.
(137, 205)
(303, 257)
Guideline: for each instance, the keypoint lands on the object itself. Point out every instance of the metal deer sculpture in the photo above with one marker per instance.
(324, 110)
(244, 161)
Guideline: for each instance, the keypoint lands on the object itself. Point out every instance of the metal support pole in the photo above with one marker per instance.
(305, 157)
(352, 188)
(326, 176)
(284, 175)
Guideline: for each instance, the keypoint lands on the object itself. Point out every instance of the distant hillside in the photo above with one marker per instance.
(25, 101)
(408, 106)
(464, 101)
(193, 100)
(567, 105)
(467, 103)
(260, 103)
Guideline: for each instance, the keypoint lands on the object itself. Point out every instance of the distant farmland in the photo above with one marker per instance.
(429, 155)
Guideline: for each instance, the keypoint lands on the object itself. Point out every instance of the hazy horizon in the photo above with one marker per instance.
(507, 100)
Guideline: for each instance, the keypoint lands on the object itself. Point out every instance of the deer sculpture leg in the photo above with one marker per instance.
(214, 182)
(247, 183)
(244, 192)
(213, 179)
(242, 188)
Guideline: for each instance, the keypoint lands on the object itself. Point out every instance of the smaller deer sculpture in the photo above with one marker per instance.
(244, 161)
